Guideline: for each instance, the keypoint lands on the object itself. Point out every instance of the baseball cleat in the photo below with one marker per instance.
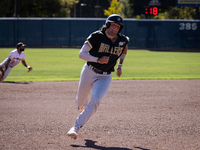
(73, 132)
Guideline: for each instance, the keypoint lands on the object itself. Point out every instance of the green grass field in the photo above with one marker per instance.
(62, 64)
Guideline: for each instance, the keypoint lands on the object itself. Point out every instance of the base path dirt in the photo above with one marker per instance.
(134, 115)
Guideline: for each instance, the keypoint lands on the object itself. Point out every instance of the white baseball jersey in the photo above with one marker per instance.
(15, 58)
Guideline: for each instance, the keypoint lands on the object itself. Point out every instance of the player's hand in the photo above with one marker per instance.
(103, 60)
(119, 71)
(29, 68)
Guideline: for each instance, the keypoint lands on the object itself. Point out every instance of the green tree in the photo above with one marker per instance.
(127, 9)
(177, 13)
(7, 8)
(37, 8)
(121, 7)
(115, 8)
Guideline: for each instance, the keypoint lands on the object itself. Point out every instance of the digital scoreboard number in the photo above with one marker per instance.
(152, 10)
(151, 7)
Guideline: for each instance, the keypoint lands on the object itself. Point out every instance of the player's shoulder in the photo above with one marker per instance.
(22, 53)
(124, 37)
(14, 51)
(97, 33)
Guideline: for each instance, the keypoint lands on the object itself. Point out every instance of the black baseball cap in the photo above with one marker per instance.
(20, 44)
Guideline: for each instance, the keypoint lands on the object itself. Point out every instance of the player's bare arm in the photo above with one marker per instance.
(28, 67)
(119, 67)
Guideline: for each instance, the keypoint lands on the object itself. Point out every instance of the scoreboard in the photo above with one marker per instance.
(151, 7)
(152, 10)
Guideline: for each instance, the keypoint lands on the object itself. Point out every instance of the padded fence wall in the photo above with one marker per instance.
(65, 32)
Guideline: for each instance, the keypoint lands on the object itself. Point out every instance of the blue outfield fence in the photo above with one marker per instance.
(72, 32)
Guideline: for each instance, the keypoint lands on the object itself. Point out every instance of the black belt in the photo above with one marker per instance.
(97, 70)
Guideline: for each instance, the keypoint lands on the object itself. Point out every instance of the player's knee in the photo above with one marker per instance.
(95, 102)
(93, 106)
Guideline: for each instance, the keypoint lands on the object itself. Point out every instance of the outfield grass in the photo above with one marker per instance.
(62, 64)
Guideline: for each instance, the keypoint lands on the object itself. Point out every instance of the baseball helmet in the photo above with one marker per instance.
(116, 19)
(20, 44)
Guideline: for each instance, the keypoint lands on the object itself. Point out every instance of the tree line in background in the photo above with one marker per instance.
(86, 8)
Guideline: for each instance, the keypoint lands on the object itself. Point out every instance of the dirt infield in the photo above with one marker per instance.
(134, 115)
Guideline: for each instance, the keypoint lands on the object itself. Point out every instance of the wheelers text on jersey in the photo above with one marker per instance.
(104, 48)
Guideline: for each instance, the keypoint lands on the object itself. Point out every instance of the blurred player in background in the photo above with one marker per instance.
(101, 50)
(13, 59)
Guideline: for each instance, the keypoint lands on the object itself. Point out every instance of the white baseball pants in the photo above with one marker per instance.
(6, 73)
(99, 84)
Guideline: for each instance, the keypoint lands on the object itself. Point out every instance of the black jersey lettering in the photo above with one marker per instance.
(104, 48)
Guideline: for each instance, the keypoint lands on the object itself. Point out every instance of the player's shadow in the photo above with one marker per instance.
(12, 82)
(141, 148)
(91, 144)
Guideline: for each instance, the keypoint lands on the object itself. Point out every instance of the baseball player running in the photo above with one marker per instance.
(101, 50)
(13, 59)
